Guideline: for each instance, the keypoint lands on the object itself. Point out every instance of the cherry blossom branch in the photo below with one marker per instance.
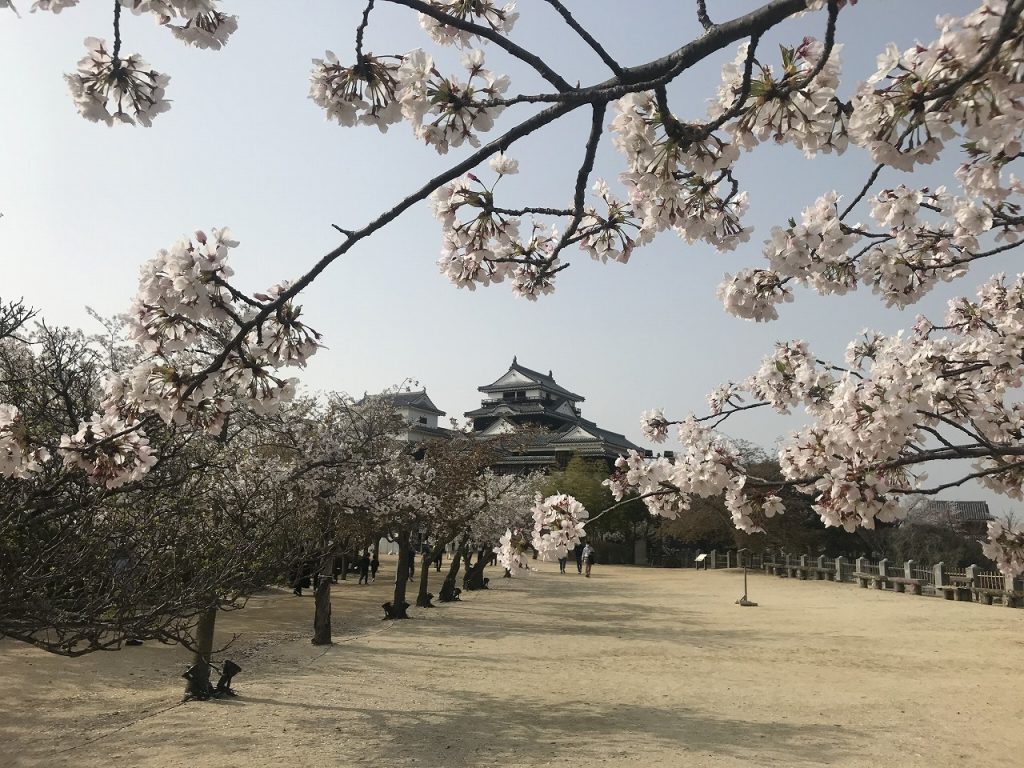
(488, 34)
(829, 43)
(500, 144)
(530, 210)
(582, 179)
(741, 97)
(662, 71)
(952, 484)
(864, 190)
(1010, 18)
(586, 36)
(638, 497)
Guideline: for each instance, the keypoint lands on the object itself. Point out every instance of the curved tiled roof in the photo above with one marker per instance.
(545, 381)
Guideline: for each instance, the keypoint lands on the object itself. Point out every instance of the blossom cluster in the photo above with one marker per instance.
(206, 350)
(185, 306)
(443, 111)
(1005, 546)
(558, 523)
(897, 121)
(795, 103)
(873, 423)
(111, 451)
(707, 466)
(483, 244)
(499, 18)
(17, 457)
(675, 182)
(110, 90)
(511, 552)
(109, 87)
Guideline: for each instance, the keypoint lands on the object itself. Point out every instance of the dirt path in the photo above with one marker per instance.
(634, 667)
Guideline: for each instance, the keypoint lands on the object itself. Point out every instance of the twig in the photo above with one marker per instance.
(582, 177)
(702, 16)
(586, 36)
(361, 29)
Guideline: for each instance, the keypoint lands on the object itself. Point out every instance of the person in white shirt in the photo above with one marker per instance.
(588, 558)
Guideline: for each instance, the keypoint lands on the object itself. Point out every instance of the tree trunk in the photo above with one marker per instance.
(474, 578)
(376, 548)
(322, 607)
(423, 598)
(198, 686)
(448, 589)
(344, 568)
(398, 610)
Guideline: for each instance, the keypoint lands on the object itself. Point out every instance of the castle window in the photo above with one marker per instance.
(423, 419)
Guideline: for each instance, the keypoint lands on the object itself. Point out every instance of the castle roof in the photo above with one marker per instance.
(520, 377)
(418, 400)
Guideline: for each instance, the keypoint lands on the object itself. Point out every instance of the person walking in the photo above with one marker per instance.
(374, 567)
(588, 558)
(578, 552)
(561, 563)
(411, 560)
(364, 569)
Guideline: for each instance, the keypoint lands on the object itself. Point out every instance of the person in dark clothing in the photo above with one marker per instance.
(374, 567)
(299, 577)
(364, 569)
(438, 559)
(411, 558)
(578, 551)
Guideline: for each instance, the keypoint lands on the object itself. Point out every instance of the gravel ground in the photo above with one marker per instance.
(633, 667)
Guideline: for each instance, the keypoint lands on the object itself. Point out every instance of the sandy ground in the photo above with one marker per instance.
(632, 667)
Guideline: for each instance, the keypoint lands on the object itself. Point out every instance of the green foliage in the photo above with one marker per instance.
(583, 478)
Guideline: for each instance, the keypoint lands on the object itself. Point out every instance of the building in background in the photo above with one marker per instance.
(421, 415)
(968, 518)
(523, 399)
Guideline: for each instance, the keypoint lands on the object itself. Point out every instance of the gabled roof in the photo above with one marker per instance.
(499, 427)
(519, 376)
(936, 511)
(585, 430)
(418, 400)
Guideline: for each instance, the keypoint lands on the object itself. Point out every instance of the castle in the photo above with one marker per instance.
(523, 398)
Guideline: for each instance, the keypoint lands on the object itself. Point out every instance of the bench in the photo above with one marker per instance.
(900, 584)
(1009, 598)
(958, 588)
(877, 580)
(790, 570)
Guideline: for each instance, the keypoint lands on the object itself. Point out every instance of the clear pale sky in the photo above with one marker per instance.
(84, 205)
